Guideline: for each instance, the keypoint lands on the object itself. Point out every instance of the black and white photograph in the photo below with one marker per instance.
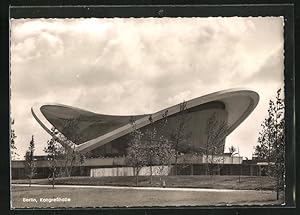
(147, 112)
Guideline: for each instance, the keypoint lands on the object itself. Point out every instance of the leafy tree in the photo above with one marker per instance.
(164, 153)
(136, 153)
(179, 136)
(29, 161)
(260, 152)
(158, 147)
(149, 148)
(61, 149)
(14, 155)
(54, 152)
(150, 145)
(271, 141)
(69, 156)
(216, 133)
(232, 151)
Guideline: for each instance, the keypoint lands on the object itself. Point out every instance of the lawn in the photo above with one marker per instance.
(108, 197)
(200, 181)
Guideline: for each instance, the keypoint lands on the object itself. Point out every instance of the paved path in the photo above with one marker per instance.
(141, 188)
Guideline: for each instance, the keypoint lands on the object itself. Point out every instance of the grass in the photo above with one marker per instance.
(105, 197)
(200, 181)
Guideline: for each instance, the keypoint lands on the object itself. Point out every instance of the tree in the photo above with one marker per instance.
(30, 167)
(164, 153)
(178, 135)
(158, 147)
(271, 141)
(216, 133)
(232, 151)
(136, 153)
(61, 151)
(260, 152)
(69, 156)
(14, 155)
(150, 147)
(54, 151)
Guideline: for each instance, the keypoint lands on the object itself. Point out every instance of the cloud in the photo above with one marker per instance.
(271, 69)
(136, 66)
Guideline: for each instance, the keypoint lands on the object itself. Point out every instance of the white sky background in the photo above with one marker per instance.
(137, 66)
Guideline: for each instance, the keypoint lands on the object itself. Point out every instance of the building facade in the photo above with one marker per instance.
(106, 136)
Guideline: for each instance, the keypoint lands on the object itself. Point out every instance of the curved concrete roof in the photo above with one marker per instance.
(239, 103)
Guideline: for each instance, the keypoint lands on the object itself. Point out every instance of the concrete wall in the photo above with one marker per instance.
(117, 171)
(217, 159)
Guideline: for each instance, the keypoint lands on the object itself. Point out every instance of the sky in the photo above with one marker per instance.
(141, 65)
